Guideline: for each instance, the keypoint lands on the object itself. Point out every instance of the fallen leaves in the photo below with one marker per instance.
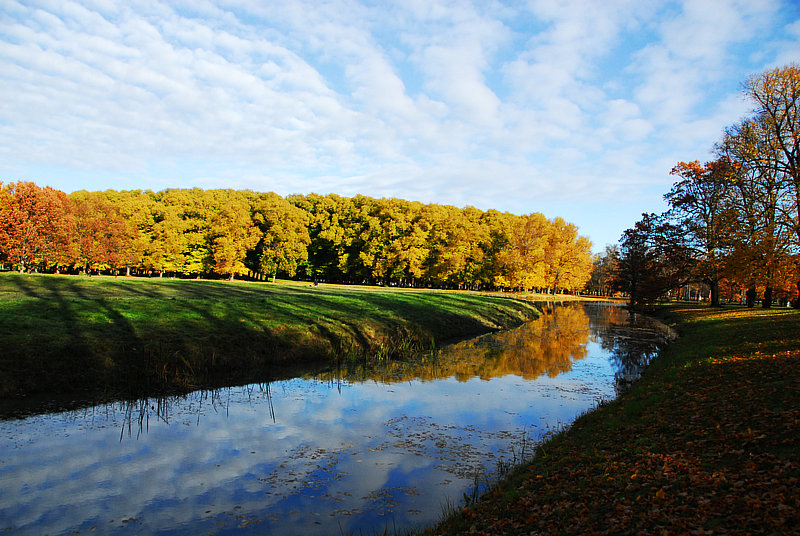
(714, 451)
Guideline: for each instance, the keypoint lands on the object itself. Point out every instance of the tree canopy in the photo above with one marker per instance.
(736, 219)
(229, 233)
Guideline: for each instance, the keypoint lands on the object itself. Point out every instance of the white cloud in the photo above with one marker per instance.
(406, 100)
(692, 54)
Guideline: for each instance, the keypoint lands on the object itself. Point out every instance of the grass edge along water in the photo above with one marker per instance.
(138, 336)
(705, 442)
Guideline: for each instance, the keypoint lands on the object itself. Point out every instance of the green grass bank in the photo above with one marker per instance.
(705, 443)
(151, 336)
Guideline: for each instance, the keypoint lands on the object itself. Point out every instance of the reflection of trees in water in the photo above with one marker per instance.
(633, 340)
(547, 345)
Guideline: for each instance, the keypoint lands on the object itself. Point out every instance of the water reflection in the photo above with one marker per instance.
(355, 452)
(631, 339)
(546, 346)
(137, 414)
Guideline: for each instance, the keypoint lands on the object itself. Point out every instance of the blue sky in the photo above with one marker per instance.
(576, 109)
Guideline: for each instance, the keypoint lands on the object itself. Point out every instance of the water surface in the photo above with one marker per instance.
(357, 450)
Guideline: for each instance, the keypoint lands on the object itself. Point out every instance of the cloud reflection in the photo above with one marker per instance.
(337, 456)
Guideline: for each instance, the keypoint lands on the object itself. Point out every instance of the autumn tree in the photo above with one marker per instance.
(568, 257)
(522, 259)
(32, 227)
(496, 223)
(101, 233)
(653, 259)
(137, 209)
(332, 238)
(457, 246)
(230, 232)
(34, 224)
(408, 248)
(364, 256)
(283, 235)
(761, 203)
(776, 95)
(700, 205)
(603, 267)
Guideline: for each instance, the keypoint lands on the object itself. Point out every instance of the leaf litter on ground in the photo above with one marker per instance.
(705, 443)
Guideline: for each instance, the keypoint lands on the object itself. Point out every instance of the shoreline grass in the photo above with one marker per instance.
(156, 336)
(705, 443)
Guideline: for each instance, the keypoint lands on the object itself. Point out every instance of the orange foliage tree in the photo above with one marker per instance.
(34, 225)
(101, 235)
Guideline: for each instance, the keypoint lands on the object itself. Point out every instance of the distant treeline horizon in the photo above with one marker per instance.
(326, 238)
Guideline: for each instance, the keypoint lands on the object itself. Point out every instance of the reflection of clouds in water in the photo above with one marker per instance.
(355, 455)
(232, 450)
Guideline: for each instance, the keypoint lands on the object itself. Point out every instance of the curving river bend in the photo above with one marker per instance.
(350, 451)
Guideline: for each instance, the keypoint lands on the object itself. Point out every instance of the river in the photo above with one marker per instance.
(357, 450)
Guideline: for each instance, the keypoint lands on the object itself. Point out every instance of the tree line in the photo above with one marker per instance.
(325, 238)
(733, 223)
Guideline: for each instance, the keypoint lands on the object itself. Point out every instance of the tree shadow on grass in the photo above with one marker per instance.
(139, 337)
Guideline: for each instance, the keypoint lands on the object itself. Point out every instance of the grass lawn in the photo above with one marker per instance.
(705, 443)
(139, 336)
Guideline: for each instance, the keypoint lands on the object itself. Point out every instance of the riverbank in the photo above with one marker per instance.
(144, 336)
(705, 443)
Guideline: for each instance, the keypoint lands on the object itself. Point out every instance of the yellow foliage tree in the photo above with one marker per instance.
(522, 259)
(231, 232)
(568, 257)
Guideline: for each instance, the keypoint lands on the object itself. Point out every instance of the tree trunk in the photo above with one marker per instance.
(750, 297)
(796, 303)
(766, 303)
(714, 293)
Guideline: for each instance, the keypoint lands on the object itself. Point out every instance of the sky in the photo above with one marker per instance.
(575, 109)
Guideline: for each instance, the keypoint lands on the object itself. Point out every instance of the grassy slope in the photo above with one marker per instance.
(705, 443)
(61, 333)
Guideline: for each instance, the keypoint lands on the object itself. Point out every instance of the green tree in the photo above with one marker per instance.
(653, 259)
(283, 235)
(327, 232)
